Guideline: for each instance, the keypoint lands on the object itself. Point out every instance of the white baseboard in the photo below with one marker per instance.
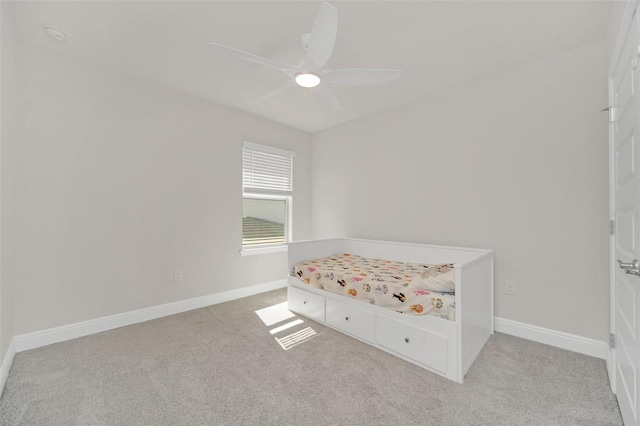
(559, 339)
(37, 339)
(7, 360)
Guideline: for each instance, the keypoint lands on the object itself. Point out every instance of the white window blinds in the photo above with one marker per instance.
(266, 170)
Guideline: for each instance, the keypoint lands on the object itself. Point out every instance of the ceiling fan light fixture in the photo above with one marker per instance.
(307, 79)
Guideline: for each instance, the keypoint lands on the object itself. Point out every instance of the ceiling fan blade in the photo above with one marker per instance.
(327, 97)
(250, 57)
(323, 35)
(289, 84)
(360, 76)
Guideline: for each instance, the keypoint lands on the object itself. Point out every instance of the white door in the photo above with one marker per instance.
(625, 188)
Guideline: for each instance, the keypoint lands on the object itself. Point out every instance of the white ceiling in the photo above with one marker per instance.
(438, 45)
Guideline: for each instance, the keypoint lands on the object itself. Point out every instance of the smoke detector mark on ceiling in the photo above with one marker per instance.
(55, 34)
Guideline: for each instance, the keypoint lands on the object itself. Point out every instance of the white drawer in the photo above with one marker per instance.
(422, 346)
(351, 320)
(306, 303)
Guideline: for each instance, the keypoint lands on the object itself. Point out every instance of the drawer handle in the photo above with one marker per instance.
(304, 302)
(406, 339)
(346, 318)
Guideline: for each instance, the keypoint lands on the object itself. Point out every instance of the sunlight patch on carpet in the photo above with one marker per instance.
(287, 342)
(286, 326)
(274, 314)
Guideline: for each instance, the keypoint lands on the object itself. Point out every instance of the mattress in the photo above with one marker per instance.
(408, 288)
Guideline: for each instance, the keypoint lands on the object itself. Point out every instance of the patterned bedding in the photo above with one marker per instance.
(408, 288)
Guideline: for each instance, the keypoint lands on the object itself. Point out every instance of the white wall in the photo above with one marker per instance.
(119, 182)
(516, 163)
(8, 109)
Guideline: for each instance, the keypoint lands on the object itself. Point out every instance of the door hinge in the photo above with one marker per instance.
(612, 227)
(612, 341)
(612, 113)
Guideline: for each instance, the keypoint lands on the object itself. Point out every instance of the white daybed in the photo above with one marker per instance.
(443, 346)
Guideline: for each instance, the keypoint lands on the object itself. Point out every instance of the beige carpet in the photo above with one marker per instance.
(222, 366)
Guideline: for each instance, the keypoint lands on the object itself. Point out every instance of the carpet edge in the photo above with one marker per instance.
(49, 336)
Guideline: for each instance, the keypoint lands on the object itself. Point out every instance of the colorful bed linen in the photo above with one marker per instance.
(407, 288)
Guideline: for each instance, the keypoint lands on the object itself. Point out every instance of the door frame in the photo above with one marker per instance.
(626, 21)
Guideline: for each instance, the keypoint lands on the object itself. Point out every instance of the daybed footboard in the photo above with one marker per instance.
(445, 347)
(474, 308)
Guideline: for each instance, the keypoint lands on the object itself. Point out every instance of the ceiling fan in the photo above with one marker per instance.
(309, 72)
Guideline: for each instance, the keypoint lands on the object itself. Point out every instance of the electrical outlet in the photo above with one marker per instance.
(178, 275)
(510, 288)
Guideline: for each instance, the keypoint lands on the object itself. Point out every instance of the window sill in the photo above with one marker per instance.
(263, 250)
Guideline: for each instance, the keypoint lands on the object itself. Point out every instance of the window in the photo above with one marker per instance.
(267, 175)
